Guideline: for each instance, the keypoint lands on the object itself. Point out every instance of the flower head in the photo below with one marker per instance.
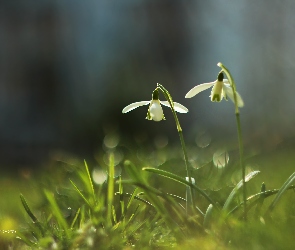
(220, 89)
(155, 111)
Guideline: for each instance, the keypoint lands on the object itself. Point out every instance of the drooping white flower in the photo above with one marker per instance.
(221, 89)
(155, 111)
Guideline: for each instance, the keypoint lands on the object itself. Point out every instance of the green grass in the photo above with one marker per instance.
(145, 208)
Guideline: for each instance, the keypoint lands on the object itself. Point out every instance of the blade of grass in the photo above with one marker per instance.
(131, 198)
(111, 183)
(75, 218)
(152, 196)
(80, 193)
(57, 213)
(27, 208)
(30, 213)
(89, 183)
(122, 203)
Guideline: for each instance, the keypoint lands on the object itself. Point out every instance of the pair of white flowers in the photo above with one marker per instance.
(220, 89)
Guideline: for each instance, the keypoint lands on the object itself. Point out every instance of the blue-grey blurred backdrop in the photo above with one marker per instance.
(67, 68)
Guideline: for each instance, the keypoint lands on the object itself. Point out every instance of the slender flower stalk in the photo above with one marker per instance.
(179, 129)
(241, 148)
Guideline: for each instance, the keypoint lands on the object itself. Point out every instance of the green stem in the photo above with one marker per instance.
(179, 130)
(242, 164)
(241, 148)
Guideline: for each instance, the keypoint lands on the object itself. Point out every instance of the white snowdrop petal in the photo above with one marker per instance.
(180, 108)
(165, 103)
(199, 88)
(156, 111)
(134, 106)
(177, 106)
(229, 92)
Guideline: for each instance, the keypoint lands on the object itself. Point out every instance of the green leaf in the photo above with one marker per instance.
(208, 217)
(236, 189)
(180, 180)
(27, 208)
(282, 190)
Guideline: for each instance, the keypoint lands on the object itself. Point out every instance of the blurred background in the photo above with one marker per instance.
(68, 68)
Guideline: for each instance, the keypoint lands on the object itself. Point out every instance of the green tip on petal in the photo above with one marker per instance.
(215, 98)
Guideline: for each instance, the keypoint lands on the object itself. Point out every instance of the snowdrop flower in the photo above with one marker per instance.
(221, 88)
(155, 111)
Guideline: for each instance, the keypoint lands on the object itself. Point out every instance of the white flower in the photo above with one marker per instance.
(221, 88)
(155, 111)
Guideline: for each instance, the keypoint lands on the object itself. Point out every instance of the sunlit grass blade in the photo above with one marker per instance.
(27, 208)
(110, 193)
(75, 218)
(236, 189)
(80, 193)
(30, 213)
(282, 190)
(131, 198)
(82, 220)
(122, 203)
(180, 180)
(89, 183)
(57, 213)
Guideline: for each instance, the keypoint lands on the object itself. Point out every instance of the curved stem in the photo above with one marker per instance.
(241, 148)
(179, 129)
